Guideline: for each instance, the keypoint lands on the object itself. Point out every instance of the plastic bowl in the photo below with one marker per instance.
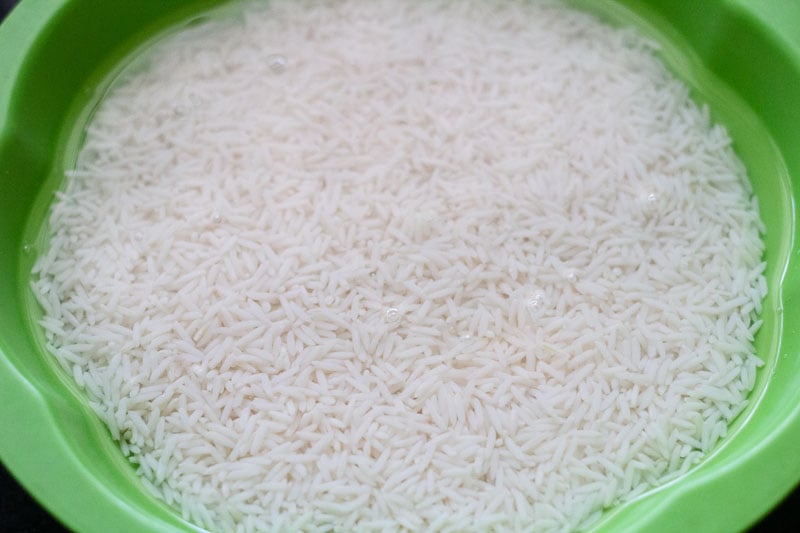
(56, 56)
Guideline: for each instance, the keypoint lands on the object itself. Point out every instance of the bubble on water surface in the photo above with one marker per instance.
(535, 303)
(392, 315)
(277, 63)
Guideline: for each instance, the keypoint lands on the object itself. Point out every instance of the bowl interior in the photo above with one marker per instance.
(737, 58)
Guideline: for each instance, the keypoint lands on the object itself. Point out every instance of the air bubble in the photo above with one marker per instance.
(392, 315)
(27, 249)
(535, 303)
(216, 217)
(277, 63)
(650, 204)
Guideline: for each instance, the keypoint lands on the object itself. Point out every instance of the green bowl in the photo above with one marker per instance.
(57, 57)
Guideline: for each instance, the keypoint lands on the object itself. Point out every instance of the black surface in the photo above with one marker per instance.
(19, 513)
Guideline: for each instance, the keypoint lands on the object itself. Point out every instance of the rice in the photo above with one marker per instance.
(394, 265)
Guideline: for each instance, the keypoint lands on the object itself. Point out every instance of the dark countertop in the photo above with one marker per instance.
(22, 514)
